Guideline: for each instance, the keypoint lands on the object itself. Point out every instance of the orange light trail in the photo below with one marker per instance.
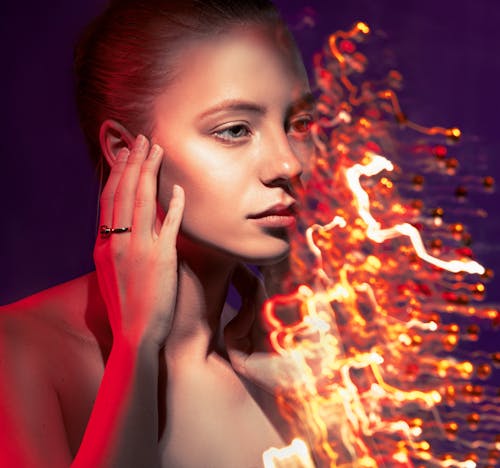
(356, 63)
(377, 164)
(370, 336)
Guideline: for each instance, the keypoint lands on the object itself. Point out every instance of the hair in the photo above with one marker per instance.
(126, 56)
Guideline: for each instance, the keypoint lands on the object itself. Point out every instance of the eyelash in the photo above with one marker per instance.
(225, 136)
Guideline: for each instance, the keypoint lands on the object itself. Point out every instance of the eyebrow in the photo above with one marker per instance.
(304, 101)
(234, 105)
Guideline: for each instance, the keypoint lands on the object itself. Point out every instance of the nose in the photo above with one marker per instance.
(281, 164)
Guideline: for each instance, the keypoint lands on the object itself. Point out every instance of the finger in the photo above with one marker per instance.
(123, 207)
(144, 216)
(108, 194)
(173, 219)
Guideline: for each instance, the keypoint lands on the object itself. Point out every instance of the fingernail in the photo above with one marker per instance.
(140, 141)
(122, 154)
(176, 190)
(155, 151)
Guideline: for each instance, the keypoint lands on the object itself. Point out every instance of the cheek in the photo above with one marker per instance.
(210, 178)
(179, 166)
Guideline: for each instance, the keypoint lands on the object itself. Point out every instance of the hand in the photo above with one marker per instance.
(137, 270)
(247, 343)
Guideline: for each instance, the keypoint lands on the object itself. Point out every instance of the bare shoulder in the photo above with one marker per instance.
(33, 331)
(74, 308)
(55, 332)
(47, 340)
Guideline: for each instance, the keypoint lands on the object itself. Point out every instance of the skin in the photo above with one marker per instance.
(125, 378)
(240, 146)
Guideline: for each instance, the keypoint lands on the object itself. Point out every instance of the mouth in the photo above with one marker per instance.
(277, 216)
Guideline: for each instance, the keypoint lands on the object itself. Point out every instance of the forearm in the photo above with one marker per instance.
(123, 427)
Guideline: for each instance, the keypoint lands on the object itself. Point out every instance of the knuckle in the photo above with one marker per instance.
(134, 165)
(142, 202)
(147, 168)
(107, 194)
(122, 193)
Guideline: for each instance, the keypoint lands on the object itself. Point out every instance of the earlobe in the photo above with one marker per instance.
(113, 136)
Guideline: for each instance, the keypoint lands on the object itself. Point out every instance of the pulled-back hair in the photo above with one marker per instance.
(126, 56)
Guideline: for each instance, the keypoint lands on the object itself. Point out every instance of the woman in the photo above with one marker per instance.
(201, 112)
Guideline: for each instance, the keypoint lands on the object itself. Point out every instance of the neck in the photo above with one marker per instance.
(204, 277)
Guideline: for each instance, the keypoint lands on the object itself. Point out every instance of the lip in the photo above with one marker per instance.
(279, 215)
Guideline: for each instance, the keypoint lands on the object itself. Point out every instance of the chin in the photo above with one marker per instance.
(270, 256)
(262, 250)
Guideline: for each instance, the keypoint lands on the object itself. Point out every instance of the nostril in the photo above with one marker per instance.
(291, 186)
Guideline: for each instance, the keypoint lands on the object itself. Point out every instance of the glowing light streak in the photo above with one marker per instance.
(345, 62)
(374, 231)
(336, 221)
(295, 455)
(362, 382)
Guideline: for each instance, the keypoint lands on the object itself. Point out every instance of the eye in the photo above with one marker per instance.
(301, 124)
(232, 133)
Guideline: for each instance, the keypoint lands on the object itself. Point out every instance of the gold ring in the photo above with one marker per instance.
(106, 231)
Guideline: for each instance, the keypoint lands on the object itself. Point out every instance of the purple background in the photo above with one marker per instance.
(446, 50)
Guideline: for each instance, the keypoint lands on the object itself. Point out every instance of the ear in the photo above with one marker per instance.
(113, 136)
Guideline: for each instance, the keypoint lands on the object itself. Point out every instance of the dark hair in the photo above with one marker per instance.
(125, 57)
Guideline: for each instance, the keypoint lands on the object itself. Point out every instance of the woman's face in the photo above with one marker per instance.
(235, 129)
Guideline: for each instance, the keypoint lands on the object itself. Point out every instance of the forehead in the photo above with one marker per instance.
(246, 62)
